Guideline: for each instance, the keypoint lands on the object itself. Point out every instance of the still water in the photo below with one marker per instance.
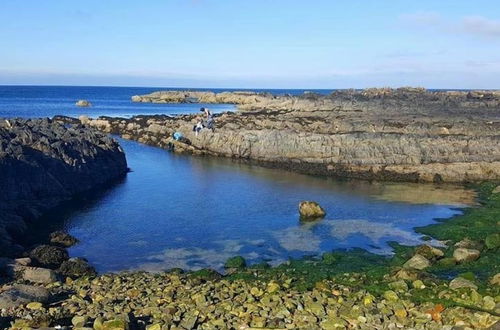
(191, 212)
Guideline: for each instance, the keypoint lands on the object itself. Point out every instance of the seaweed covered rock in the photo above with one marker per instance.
(77, 267)
(63, 239)
(49, 256)
(235, 262)
(309, 210)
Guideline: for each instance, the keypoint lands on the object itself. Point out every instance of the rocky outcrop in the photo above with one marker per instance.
(43, 163)
(310, 211)
(376, 134)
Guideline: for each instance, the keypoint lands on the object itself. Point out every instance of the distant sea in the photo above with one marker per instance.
(48, 101)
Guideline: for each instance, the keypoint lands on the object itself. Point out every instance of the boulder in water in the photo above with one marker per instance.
(83, 103)
(309, 210)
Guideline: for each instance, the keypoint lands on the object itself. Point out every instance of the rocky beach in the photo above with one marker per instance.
(406, 134)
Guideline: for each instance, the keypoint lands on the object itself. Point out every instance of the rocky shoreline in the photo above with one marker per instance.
(377, 134)
(44, 163)
(337, 291)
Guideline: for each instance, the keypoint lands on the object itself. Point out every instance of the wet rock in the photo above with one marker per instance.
(447, 262)
(62, 239)
(235, 262)
(77, 267)
(465, 255)
(417, 262)
(83, 103)
(310, 211)
(49, 256)
(461, 282)
(22, 294)
(399, 285)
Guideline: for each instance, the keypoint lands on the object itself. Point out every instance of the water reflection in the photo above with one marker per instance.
(189, 212)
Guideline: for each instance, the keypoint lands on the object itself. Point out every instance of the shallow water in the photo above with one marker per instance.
(191, 212)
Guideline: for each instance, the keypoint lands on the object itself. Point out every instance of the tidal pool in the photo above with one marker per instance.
(192, 212)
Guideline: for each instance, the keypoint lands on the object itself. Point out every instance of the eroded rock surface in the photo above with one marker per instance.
(384, 134)
(43, 163)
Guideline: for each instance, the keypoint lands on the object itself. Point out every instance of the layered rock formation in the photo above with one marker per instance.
(384, 134)
(43, 163)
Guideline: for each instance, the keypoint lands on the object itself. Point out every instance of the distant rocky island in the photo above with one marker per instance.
(405, 134)
(43, 163)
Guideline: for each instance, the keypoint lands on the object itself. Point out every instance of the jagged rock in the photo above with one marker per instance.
(22, 294)
(417, 262)
(465, 255)
(77, 267)
(460, 282)
(49, 256)
(358, 134)
(310, 211)
(43, 163)
(63, 239)
(83, 103)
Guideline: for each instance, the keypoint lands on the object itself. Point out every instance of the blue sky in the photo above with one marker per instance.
(251, 43)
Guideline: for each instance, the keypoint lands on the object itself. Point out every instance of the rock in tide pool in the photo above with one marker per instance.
(465, 255)
(83, 103)
(235, 262)
(310, 211)
(22, 294)
(63, 239)
(49, 256)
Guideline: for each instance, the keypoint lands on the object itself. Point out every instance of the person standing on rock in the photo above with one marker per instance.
(210, 122)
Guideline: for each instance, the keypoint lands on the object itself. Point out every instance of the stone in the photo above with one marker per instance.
(417, 262)
(418, 284)
(21, 294)
(399, 285)
(462, 255)
(495, 280)
(447, 262)
(77, 267)
(429, 252)
(79, 321)
(496, 190)
(115, 324)
(36, 274)
(461, 282)
(235, 262)
(62, 239)
(391, 295)
(49, 256)
(34, 306)
(309, 210)
(492, 241)
(83, 103)
(469, 244)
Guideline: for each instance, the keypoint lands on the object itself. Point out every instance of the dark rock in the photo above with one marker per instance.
(77, 267)
(43, 163)
(49, 256)
(63, 239)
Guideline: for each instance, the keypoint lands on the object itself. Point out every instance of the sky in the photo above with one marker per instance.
(251, 43)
